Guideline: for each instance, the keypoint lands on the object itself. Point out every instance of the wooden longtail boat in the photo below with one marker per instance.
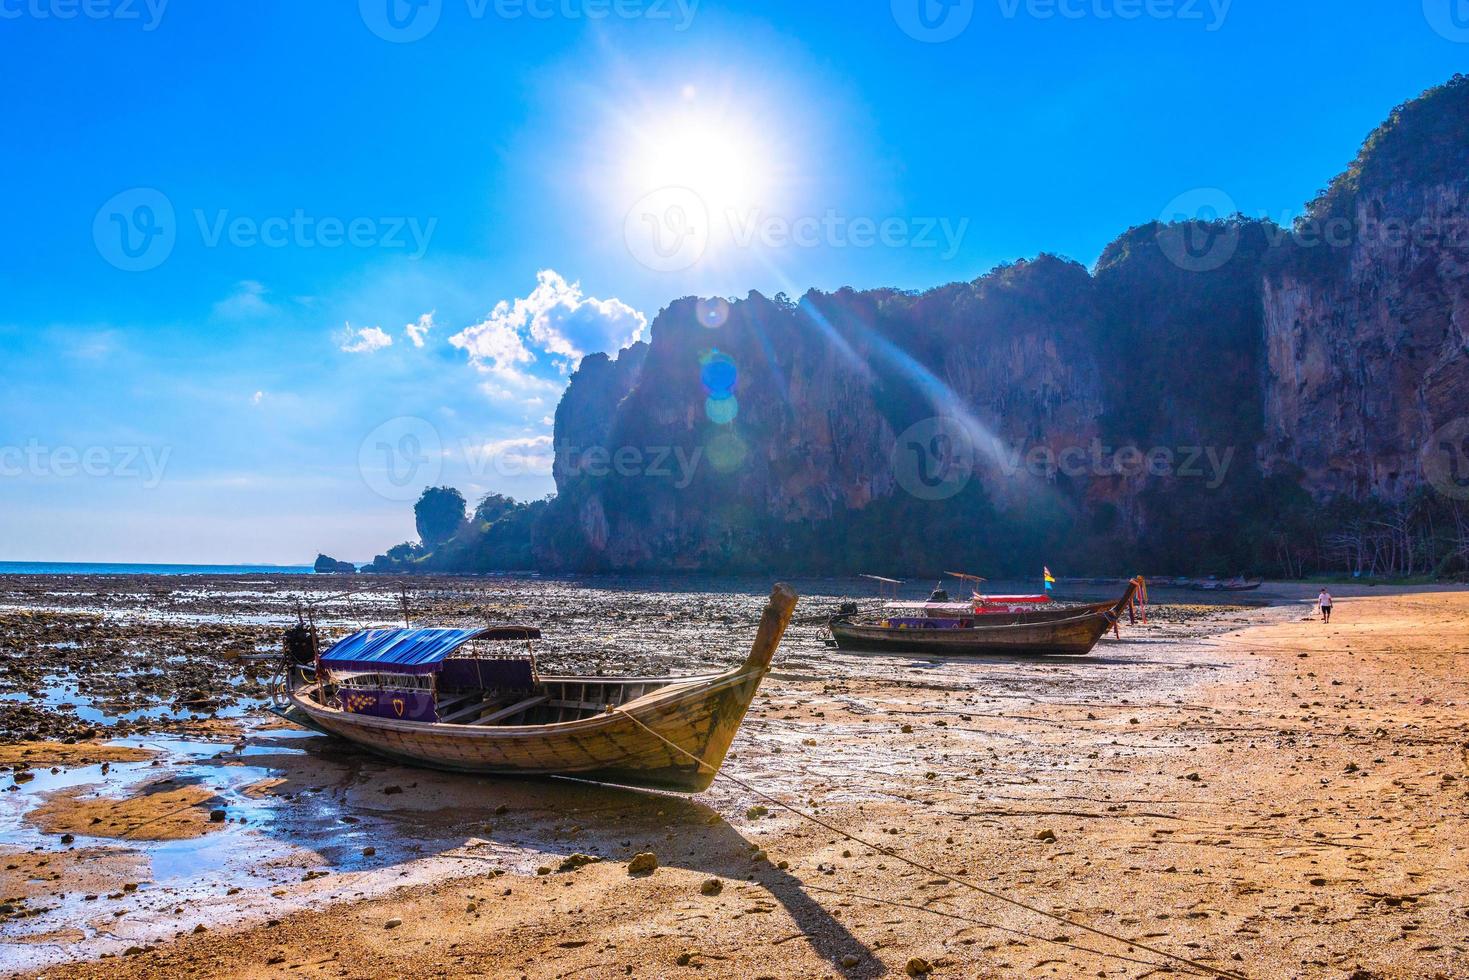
(617, 730)
(1069, 632)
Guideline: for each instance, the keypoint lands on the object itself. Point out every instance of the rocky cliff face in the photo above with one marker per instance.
(1367, 310)
(825, 433)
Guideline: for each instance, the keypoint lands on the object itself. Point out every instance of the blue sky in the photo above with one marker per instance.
(224, 215)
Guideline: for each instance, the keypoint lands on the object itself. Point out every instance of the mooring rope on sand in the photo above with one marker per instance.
(886, 852)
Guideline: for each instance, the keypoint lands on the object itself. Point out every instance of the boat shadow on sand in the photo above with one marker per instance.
(337, 800)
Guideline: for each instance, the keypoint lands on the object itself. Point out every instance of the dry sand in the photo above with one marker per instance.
(1282, 799)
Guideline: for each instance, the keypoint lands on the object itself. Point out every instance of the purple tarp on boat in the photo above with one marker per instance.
(402, 705)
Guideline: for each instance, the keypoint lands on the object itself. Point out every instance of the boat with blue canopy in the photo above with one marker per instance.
(474, 700)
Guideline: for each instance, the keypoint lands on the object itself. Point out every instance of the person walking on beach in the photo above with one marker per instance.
(1324, 601)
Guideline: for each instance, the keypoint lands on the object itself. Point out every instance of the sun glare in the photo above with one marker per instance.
(712, 152)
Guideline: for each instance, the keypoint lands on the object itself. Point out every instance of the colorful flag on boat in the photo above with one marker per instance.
(1050, 579)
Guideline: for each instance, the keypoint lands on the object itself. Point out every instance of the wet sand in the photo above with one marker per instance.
(1245, 788)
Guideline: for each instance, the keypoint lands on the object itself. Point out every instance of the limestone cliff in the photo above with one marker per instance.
(1367, 313)
(1302, 363)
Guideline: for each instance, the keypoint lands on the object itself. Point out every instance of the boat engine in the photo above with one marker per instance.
(299, 644)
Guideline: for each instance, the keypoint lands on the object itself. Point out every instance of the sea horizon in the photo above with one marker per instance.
(145, 568)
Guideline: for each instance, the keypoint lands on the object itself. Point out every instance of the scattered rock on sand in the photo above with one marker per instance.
(574, 861)
(711, 886)
(1046, 836)
(392, 923)
(918, 967)
(644, 863)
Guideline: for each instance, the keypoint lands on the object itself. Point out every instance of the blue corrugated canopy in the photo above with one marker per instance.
(410, 651)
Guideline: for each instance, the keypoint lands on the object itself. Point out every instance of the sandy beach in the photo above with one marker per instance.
(1240, 789)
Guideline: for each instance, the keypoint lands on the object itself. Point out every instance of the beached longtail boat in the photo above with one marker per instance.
(444, 699)
(1064, 632)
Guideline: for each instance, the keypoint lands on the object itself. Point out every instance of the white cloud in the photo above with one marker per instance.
(246, 302)
(557, 319)
(418, 332)
(365, 340)
(257, 398)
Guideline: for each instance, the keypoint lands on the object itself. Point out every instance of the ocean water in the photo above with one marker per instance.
(128, 568)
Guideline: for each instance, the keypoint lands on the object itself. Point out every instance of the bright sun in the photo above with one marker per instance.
(713, 152)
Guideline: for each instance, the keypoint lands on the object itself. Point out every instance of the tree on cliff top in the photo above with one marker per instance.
(439, 514)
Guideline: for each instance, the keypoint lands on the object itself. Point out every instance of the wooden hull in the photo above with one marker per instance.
(1074, 637)
(674, 738)
(1068, 633)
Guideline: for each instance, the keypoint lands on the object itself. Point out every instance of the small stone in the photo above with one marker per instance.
(543, 870)
(369, 851)
(392, 790)
(907, 729)
(850, 961)
(575, 861)
(392, 923)
(1046, 836)
(1318, 882)
(68, 838)
(217, 816)
(643, 864)
(756, 812)
(277, 958)
(711, 886)
(200, 928)
(1193, 777)
(918, 967)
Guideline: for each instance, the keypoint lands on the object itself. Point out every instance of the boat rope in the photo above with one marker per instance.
(984, 924)
(881, 849)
